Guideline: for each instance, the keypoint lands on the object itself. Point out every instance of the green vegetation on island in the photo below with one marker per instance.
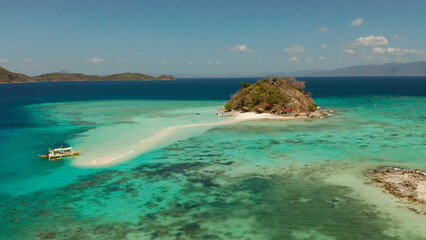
(65, 77)
(10, 77)
(272, 95)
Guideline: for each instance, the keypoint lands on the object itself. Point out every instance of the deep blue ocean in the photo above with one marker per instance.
(14, 96)
(246, 180)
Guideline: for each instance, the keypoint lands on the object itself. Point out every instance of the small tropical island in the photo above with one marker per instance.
(11, 77)
(274, 97)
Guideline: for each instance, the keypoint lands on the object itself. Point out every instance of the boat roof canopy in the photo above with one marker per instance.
(62, 149)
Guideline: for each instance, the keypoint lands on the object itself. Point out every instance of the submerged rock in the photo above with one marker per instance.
(191, 228)
(47, 235)
(402, 183)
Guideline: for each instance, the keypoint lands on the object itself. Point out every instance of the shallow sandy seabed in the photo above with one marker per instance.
(163, 137)
(408, 223)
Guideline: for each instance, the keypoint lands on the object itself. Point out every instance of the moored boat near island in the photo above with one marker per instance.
(59, 153)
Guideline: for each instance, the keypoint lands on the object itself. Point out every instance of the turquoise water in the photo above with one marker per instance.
(263, 179)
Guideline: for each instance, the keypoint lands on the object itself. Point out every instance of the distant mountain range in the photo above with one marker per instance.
(11, 77)
(389, 69)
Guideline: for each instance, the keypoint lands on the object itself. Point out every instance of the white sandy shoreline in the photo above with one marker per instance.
(262, 116)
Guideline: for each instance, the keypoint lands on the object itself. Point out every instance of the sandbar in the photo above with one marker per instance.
(162, 137)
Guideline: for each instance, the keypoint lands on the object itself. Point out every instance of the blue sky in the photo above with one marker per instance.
(208, 37)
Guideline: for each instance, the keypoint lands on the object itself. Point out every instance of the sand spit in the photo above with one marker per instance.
(144, 145)
(163, 136)
(402, 183)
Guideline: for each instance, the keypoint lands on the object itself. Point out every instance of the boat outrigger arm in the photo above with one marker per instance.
(61, 152)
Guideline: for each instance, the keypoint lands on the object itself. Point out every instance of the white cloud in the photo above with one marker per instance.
(311, 60)
(240, 48)
(165, 62)
(95, 60)
(369, 57)
(357, 22)
(397, 51)
(279, 59)
(323, 45)
(125, 60)
(28, 60)
(295, 59)
(4, 60)
(322, 29)
(295, 49)
(348, 51)
(370, 41)
(210, 63)
(191, 63)
(400, 37)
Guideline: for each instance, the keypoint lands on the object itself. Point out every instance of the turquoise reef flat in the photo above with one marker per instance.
(263, 179)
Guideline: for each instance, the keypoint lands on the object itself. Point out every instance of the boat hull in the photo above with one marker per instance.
(59, 157)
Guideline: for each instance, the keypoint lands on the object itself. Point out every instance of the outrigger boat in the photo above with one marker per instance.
(58, 153)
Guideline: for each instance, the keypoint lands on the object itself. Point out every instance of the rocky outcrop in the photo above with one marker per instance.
(272, 95)
(300, 102)
(402, 183)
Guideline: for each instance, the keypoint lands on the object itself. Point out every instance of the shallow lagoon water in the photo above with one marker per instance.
(249, 180)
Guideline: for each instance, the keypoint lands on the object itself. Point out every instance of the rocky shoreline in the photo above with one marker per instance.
(403, 183)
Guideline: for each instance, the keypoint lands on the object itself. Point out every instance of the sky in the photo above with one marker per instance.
(207, 37)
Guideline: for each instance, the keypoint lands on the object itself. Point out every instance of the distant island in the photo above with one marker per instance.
(274, 95)
(11, 77)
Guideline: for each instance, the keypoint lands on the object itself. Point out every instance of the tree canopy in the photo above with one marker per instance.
(271, 94)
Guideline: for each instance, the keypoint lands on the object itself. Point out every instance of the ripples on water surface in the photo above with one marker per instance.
(249, 180)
